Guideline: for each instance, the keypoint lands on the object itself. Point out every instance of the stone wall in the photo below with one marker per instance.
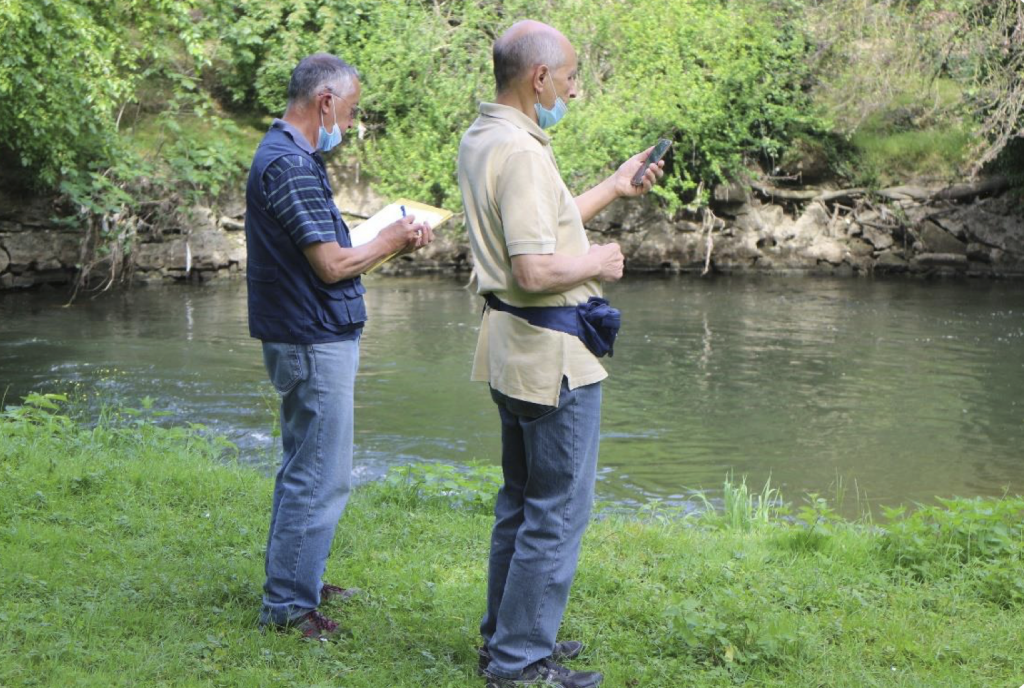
(916, 231)
(211, 247)
(36, 248)
(919, 234)
(924, 235)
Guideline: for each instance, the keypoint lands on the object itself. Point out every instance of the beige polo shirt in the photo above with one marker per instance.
(517, 204)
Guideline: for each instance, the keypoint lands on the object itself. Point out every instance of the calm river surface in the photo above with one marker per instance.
(902, 389)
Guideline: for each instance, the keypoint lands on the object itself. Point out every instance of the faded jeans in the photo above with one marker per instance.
(312, 486)
(549, 461)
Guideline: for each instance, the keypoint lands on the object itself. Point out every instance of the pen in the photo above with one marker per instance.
(418, 231)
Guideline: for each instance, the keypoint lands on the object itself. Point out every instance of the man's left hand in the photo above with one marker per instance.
(422, 235)
(623, 177)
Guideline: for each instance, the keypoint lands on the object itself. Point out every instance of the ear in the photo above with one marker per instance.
(541, 74)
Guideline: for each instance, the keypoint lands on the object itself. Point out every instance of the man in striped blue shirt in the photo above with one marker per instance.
(306, 306)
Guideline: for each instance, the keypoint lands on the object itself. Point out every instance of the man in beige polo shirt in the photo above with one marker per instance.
(531, 252)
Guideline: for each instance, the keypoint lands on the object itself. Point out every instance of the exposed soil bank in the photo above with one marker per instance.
(970, 229)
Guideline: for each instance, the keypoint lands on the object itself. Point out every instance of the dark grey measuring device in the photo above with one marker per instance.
(657, 153)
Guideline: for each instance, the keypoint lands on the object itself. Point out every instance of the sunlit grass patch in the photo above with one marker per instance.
(932, 154)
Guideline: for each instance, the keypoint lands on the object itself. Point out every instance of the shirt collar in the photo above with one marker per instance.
(294, 133)
(517, 118)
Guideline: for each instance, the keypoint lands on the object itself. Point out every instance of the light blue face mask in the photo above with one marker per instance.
(328, 140)
(549, 118)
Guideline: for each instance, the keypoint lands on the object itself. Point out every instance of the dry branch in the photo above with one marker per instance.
(960, 192)
(957, 192)
(804, 195)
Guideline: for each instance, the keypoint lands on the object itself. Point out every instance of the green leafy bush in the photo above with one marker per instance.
(79, 79)
(128, 104)
(71, 69)
(62, 79)
(722, 80)
(471, 488)
(985, 538)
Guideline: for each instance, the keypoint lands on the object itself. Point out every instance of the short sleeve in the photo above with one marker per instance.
(528, 200)
(297, 199)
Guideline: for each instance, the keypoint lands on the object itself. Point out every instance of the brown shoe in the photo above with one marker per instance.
(314, 626)
(333, 593)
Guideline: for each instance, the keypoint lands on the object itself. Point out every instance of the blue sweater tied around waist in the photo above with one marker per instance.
(595, 322)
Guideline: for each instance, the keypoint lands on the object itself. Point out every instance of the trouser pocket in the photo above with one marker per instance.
(286, 365)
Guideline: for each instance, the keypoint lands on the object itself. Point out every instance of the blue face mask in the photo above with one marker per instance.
(328, 140)
(549, 118)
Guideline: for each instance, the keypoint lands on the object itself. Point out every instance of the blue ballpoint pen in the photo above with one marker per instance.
(418, 231)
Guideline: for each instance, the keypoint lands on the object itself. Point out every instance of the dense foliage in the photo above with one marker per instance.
(75, 72)
(724, 80)
(103, 102)
(125, 103)
(922, 88)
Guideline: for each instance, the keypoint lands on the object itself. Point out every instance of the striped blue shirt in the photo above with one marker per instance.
(299, 200)
(289, 205)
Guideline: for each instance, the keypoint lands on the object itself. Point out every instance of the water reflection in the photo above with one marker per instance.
(906, 389)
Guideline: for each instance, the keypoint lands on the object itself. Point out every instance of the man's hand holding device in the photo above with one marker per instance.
(637, 175)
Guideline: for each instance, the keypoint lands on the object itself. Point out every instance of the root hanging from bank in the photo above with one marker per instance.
(708, 227)
(105, 247)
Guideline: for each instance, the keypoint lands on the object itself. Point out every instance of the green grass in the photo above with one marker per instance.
(919, 135)
(132, 556)
(149, 135)
(898, 157)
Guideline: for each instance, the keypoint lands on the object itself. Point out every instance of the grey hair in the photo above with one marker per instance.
(319, 72)
(513, 58)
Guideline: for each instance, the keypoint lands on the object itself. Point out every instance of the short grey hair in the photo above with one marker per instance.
(319, 72)
(514, 58)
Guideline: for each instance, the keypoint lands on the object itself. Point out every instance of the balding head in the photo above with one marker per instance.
(525, 45)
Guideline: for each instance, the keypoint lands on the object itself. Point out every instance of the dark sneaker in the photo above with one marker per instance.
(312, 625)
(547, 673)
(566, 649)
(332, 593)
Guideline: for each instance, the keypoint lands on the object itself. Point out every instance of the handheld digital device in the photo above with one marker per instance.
(657, 153)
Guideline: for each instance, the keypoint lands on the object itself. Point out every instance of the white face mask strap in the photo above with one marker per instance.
(334, 109)
(551, 79)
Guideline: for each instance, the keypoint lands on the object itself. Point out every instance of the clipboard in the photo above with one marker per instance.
(367, 230)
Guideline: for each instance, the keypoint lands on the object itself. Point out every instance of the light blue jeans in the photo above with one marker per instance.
(549, 461)
(312, 486)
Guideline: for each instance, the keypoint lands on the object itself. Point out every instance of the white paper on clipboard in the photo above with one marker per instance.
(367, 231)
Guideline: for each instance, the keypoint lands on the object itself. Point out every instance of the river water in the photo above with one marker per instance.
(897, 390)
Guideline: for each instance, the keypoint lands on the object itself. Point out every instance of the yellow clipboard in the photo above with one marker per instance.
(367, 231)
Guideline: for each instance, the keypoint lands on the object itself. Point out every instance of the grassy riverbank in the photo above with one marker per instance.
(132, 556)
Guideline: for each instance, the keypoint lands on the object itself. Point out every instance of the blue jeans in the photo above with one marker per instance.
(312, 486)
(549, 461)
